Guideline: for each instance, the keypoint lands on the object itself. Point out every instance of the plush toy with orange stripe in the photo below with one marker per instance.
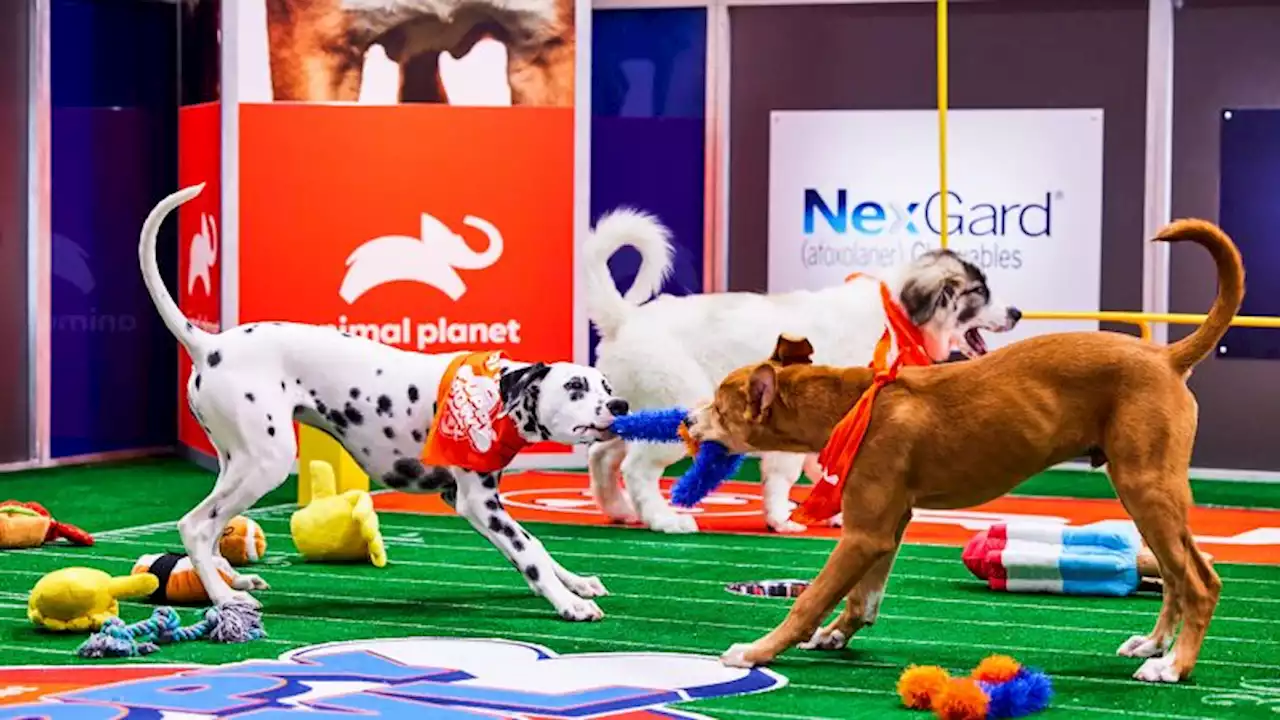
(179, 584)
(242, 542)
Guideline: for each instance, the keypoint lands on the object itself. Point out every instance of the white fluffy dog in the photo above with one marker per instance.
(674, 350)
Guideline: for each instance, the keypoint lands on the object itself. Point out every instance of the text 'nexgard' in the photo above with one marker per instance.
(871, 218)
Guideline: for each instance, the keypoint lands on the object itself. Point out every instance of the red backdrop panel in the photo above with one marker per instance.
(199, 232)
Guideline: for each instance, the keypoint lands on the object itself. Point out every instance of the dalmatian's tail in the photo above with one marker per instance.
(192, 338)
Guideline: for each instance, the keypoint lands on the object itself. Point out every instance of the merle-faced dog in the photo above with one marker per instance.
(250, 383)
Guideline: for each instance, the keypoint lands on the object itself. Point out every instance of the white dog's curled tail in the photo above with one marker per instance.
(189, 335)
(618, 228)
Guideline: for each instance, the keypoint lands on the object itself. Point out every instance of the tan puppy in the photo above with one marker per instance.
(960, 434)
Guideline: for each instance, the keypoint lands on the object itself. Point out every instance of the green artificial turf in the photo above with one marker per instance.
(667, 594)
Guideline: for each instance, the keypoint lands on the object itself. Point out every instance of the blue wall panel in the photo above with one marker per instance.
(648, 130)
(1250, 213)
(114, 146)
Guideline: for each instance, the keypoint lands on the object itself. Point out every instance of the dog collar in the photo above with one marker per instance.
(471, 430)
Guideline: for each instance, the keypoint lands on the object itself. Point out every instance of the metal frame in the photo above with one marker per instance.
(39, 232)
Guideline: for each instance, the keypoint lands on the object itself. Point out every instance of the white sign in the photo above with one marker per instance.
(857, 191)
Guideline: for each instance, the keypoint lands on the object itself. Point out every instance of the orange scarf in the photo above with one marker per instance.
(836, 458)
(471, 430)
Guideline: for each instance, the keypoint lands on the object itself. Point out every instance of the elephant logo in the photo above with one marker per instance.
(432, 259)
(204, 254)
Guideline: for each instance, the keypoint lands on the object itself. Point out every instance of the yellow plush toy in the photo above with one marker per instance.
(81, 599)
(335, 527)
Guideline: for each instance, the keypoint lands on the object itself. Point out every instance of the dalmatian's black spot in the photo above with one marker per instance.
(435, 408)
(517, 546)
(337, 419)
(577, 387)
(213, 514)
(411, 468)
(384, 406)
(313, 393)
(526, 534)
(298, 381)
(215, 358)
(391, 434)
(321, 407)
(395, 451)
(197, 381)
(355, 393)
(495, 524)
(228, 457)
(450, 494)
(408, 411)
(413, 393)
(509, 531)
(269, 417)
(271, 431)
(532, 573)
(417, 435)
(248, 396)
(489, 480)
(190, 327)
(493, 504)
(364, 450)
(517, 384)
(248, 329)
(395, 480)
(379, 372)
(282, 386)
(355, 416)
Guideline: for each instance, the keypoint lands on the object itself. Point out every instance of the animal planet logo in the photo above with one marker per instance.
(404, 678)
(433, 259)
(203, 254)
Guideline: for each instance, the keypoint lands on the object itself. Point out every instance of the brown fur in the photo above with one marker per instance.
(961, 434)
(317, 53)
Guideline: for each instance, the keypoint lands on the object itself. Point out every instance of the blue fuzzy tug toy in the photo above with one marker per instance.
(712, 462)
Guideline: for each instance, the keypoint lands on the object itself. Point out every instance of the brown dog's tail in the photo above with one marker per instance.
(1193, 348)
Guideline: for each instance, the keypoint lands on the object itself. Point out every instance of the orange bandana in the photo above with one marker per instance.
(836, 458)
(470, 430)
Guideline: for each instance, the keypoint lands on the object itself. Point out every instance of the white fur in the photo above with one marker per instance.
(249, 383)
(673, 351)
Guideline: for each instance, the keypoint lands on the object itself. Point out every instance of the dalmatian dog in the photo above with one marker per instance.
(249, 384)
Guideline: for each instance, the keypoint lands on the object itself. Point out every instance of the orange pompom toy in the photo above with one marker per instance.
(996, 669)
(919, 686)
(242, 542)
(962, 699)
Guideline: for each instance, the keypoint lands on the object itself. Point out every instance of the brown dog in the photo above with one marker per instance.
(317, 47)
(960, 434)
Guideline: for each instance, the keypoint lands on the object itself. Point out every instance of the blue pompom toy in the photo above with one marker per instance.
(712, 464)
(661, 425)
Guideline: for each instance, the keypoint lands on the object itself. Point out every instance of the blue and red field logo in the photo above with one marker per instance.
(413, 677)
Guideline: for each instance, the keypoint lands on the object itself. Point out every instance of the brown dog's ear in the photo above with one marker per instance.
(792, 350)
(761, 391)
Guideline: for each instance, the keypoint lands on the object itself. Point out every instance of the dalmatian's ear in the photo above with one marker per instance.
(516, 382)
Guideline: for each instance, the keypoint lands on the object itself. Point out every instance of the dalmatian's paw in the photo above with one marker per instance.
(580, 610)
(586, 587)
(837, 520)
(253, 582)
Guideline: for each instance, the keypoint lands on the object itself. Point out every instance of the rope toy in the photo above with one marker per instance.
(116, 639)
(712, 462)
(999, 687)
